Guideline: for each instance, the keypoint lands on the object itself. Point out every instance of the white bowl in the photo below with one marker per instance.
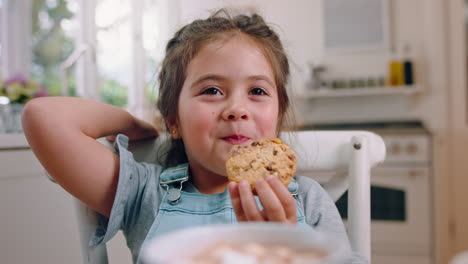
(191, 241)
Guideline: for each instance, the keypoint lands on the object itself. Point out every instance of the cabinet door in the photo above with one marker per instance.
(37, 217)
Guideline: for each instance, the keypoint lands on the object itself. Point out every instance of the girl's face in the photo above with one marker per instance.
(229, 97)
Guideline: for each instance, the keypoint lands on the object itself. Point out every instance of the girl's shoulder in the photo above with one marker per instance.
(147, 150)
(307, 184)
(311, 190)
(137, 157)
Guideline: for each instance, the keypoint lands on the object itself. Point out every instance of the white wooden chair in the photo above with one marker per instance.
(354, 152)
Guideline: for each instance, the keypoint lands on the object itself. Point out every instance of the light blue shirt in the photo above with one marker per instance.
(141, 207)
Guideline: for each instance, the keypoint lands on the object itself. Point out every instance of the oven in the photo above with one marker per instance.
(401, 215)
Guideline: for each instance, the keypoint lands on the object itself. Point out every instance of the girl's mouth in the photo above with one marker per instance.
(236, 139)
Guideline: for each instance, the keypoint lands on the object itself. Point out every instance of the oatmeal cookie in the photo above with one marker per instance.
(260, 159)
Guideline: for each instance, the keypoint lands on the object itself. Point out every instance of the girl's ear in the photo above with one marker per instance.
(173, 129)
(175, 134)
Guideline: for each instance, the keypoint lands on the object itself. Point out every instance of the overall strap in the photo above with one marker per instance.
(293, 187)
(174, 174)
(172, 180)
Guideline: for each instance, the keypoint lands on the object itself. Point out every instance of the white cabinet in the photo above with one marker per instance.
(360, 92)
(37, 218)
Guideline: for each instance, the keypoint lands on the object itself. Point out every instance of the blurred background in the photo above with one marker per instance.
(394, 67)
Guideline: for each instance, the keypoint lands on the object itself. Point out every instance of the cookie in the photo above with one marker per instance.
(259, 160)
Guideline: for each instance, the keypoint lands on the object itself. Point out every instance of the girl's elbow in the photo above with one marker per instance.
(32, 113)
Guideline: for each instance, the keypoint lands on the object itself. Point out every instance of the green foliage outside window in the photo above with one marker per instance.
(112, 92)
(50, 43)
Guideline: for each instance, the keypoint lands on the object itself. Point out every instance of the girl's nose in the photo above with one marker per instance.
(235, 113)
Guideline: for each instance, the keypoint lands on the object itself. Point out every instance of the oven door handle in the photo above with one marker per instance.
(400, 178)
(337, 183)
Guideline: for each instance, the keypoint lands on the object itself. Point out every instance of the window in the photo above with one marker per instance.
(108, 50)
(114, 50)
(129, 49)
(1, 21)
(155, 13)
(54, 27)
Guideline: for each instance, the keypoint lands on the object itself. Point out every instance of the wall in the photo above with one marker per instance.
(458, 101)
(300, 26)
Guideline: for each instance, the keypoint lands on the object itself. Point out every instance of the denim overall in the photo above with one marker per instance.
(180, 209)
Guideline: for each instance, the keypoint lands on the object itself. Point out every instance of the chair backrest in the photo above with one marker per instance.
(354, 152)
(351, 154)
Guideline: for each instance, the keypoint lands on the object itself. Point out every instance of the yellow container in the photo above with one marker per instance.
(396, 75)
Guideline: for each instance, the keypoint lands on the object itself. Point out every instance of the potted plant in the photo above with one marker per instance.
(16, 92)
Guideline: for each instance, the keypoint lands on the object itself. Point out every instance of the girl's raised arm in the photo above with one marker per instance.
(62, 133)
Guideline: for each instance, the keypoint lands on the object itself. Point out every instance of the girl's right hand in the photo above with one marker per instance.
(278, 203)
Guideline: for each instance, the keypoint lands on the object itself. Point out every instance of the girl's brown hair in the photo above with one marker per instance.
(185, 44)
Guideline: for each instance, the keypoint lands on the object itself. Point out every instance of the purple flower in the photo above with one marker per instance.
(18, 78)
(42, 92)
(20, 90)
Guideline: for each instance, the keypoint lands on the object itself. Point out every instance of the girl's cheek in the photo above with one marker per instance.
(268, 125)
(271, 120)
(198, 115)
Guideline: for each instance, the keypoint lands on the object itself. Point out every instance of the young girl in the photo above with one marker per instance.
(223, 82)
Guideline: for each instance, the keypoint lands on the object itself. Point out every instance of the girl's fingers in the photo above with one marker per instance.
(236, 202)
(264, 214)
(249, 205)
(278, 203)
(284, 196)
(111, 138)
(271, 203)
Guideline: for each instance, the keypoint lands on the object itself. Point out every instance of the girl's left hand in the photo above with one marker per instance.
(278, 203)
(137, 131)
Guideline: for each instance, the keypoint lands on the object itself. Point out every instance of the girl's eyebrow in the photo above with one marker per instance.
(216, 77)
(206, 77)
(262, 78)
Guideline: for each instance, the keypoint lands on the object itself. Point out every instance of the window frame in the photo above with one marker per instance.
(16, 38)
(86, 65)
(16, 31)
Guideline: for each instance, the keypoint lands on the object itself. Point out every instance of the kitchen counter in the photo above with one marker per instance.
(13, 141)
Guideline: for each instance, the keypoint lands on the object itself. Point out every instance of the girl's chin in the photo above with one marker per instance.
(223, 172)
(220, 170)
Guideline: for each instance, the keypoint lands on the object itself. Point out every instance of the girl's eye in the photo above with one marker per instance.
(258, 91)
(211, 90)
